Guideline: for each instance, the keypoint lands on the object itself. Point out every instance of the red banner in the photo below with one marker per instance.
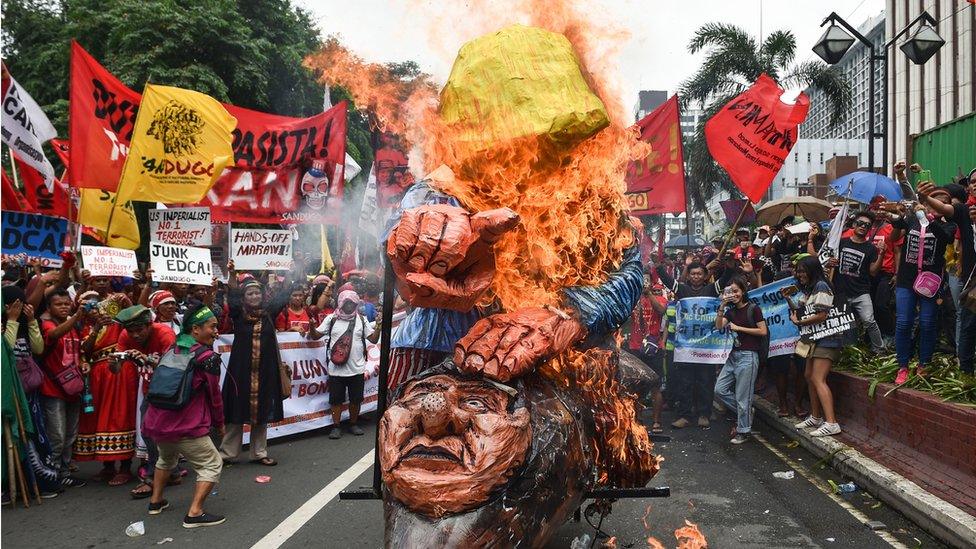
(656, 183)
(12, 200)
(54, 204)
(287, 170)
(752, 135)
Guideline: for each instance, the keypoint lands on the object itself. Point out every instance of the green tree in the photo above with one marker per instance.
(734, 60)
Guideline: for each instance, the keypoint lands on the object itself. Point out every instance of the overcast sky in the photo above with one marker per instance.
(653, 56)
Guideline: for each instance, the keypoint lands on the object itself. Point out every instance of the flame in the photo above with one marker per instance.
(690, 537)
(623, 449)
(574, 226)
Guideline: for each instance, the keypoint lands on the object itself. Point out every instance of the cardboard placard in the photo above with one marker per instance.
(181, 264)
(261, 249)
(104, 261)
(186, 226)
(34, 236)
(838, 321)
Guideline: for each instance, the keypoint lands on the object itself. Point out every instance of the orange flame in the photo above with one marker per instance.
(690, 537)
(574, 226)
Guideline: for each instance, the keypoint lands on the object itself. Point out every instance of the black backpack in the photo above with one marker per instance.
(171, 386)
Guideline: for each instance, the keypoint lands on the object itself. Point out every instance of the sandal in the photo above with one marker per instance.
(656, 428)
(266, 461)
(144, 490)
(106, 474)
(123, 477)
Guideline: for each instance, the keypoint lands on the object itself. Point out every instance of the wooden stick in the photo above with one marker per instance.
(15, 471)
(735, 227)
(11, 481)
(23, 436)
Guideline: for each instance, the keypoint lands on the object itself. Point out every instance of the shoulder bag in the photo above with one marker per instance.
(926, 284)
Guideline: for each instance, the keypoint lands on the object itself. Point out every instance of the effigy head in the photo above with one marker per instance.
(447, 443)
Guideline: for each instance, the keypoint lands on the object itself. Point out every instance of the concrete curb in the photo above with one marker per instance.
(938, 517)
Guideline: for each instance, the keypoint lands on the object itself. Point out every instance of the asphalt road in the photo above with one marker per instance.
(729, 491)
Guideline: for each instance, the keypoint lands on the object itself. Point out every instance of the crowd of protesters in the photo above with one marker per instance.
(87, 349)
(874, 272)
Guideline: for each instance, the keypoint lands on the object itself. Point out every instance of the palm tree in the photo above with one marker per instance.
(734, 61)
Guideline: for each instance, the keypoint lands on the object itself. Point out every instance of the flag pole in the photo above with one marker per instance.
(738, 220)
(13, 169)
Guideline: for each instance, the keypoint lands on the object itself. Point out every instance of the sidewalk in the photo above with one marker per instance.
(938, 517)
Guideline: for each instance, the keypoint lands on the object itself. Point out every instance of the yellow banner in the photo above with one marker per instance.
(95, 210)
(180, 144)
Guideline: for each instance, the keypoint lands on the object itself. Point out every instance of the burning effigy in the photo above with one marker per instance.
(516, 251)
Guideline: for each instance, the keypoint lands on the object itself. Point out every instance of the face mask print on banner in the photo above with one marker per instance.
(752, 135)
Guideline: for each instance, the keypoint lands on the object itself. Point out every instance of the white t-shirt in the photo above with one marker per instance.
(357, 354)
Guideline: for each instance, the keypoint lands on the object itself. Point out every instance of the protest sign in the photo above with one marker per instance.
(182, 264)
(261, 249)
(308, 408)
(104, 261)
(838, 321)
(697, 341)
(186, 226)
(34, 236)
(776, 311)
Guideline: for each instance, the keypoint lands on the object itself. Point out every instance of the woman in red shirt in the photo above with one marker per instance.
(295, 317)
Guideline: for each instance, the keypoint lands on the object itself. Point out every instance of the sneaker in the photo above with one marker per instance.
(336, 433)
(50, 495)
(902, 376)
(826, 430)
(703, 422)
(72, 482)
(356, 430)
(206, 519)
(739, 438)
(680, 423)
(809, 422)
(157, 508)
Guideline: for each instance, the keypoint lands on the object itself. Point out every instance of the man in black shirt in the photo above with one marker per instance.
(692, 384)
(858, 259)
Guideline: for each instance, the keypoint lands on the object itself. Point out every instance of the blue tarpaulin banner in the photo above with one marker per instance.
(34, 236)
(698, 342)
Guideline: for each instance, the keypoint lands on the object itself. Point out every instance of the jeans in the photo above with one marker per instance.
(955, 288)
(740, 370)
(864, 309)
(905, 302)
(693, 386)
(967, 339)
(61, 422)
(883, 297)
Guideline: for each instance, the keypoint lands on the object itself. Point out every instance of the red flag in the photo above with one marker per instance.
(60, 147)
(54, 203)
(12, 200)
(752, 135)
(656, 183)
(101, 116)
(273, 179)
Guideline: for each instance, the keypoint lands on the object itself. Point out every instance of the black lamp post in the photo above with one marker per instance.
(923, 44)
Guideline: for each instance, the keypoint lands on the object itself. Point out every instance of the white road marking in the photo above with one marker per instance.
(826, 489)
(288, 527)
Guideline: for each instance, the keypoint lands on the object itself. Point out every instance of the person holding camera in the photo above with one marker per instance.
(748, 327)
(142, 343)
(927, 234)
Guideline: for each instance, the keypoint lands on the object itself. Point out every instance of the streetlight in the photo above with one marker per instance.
(923, 44)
